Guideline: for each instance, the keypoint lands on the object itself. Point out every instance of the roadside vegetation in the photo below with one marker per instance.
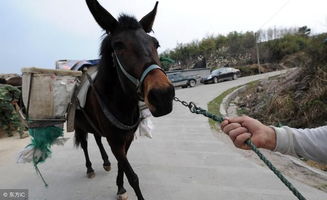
(239, 50)
(9, 119)
(213, 106)
(297, 99)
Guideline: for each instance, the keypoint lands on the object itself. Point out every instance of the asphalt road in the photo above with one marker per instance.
(185, 160)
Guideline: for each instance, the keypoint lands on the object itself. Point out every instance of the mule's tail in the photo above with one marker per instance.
(80, 136)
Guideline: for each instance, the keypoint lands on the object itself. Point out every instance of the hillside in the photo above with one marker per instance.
(298, 99)
(240, 50)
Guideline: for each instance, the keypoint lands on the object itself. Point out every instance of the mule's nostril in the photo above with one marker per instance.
(161, 96)
(161, 99)
(154, 96)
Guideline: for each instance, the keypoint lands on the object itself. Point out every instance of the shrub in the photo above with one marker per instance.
(9, 119)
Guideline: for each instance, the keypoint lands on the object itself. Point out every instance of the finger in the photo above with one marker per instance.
(240, 140)
(240, 119)
(224, 123)
(236, 132)
(230, 127)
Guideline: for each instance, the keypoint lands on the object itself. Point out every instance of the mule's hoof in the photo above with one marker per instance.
(107, 168)
(123, 196)
(90, 175)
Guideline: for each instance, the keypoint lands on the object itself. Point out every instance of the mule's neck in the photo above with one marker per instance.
(124, 106)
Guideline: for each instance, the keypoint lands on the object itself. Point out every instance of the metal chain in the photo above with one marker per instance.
(184, 103)
(197, 110)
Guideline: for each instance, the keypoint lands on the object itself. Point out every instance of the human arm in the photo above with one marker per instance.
(308, 143)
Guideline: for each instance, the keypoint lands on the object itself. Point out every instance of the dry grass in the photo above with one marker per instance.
(297, 99)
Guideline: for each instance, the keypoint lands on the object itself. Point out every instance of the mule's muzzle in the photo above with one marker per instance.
(161, 100)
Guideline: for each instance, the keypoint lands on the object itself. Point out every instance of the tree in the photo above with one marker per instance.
(304, 31)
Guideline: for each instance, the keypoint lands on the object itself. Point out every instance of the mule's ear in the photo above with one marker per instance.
(106, 21)
(147, 21)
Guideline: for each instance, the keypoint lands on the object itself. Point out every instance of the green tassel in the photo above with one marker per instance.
(42, 139)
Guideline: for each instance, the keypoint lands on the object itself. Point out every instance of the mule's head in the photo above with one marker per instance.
(134, 54)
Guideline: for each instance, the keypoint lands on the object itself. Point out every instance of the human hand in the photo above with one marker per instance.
(239, 129)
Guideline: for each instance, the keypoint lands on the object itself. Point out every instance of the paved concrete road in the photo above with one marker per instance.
(183, 161)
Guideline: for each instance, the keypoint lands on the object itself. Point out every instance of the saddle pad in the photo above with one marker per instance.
(85, 85)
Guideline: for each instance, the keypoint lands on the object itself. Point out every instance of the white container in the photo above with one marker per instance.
(47, 93)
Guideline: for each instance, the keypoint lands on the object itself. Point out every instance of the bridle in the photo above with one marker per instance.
(137, 82)
(138, 85)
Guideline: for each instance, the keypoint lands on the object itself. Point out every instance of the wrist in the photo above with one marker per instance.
(271, 139)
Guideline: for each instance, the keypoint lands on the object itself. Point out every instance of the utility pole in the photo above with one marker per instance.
(257, 35)
(258, 54)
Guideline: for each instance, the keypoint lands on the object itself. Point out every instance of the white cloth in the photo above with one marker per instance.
(146, 126)
(30, 152)
(307, 143)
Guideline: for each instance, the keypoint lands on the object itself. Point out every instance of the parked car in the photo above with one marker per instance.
(179, 80)
(222, 74)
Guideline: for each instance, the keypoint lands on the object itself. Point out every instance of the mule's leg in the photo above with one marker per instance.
(121, 194)
(120, 153)
(106, 162)
(90, 172)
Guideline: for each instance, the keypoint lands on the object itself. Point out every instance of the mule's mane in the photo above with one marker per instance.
(128, 22)
(105, 66)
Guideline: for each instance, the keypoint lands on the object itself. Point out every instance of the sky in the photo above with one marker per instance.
(36, 33)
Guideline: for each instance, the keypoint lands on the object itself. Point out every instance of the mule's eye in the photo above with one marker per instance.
(119, 45)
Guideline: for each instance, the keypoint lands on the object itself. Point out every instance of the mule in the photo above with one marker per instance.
(128, 71)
